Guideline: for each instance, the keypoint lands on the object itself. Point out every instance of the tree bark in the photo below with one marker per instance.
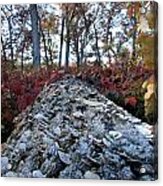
(45, 48)
(67, 45)
(109, 38)
(77, 51)
(50, 48)
(9, 22)
(4, 57)
(82, 52)
(97, 48)
(11, 44)
(61, 42)
(134, 39)
(44, 43)
(22, 57)
(35, 36)
(87, 24)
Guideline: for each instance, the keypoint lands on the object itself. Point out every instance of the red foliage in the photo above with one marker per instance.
(132, 101)
(54, 76)
(106, 83)
(21, 89)
(122, 80)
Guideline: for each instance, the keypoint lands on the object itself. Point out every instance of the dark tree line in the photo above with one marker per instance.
(79, 26)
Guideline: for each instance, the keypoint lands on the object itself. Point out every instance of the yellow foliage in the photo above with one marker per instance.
(145, 84)
(150, 96)
(150, 91)
(147, 44)
(150, 18)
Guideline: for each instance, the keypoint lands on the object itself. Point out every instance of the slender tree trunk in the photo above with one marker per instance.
(109, 37)
(45, 48)
(134, 39)
(97, 48)
(35, 35)
(81, 54)
(51, 56)
(84, 42)
(22, 56)
(4, 57)
(77, 52)
(11, 44)
(81, 49)
(61, 42)
(49, 48)
(133, 46)
(67, 46)
(69, 18)
(84, 39)
(44, 43)
(9, 21)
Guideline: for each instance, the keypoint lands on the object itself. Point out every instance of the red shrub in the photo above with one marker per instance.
(20, 89)
(132, 101)
(122, 81)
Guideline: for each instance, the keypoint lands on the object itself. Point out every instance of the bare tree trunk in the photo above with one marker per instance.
(61, 43)
(9, 21)
(44, 43)
(133, 46)
(67, 45)
(81, 49)
(45, 48)
(109, 37)
(82, 54)
(84, 39)
(4, 57)
(22, 57)
(69, 17)
(97, 48)
(11, 44)
(77, 51)
(134, 39)
(35, 35)
(50, 48)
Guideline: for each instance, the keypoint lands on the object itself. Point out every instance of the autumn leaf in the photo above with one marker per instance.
(149, 96)
(132, 101)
